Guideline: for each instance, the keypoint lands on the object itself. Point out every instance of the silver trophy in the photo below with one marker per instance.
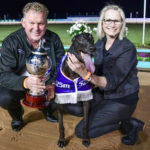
(38, 64)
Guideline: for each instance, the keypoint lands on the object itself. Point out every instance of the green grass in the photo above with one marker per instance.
(134, 32)
(5, 30)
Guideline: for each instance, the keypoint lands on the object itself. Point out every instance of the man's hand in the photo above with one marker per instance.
(34, 83)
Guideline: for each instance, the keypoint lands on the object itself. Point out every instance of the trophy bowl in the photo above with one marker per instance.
(38, 63)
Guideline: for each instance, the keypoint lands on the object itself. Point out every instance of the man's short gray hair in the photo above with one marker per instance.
(35, 6)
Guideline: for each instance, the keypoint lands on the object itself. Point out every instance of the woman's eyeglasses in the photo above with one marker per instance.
(109, 21)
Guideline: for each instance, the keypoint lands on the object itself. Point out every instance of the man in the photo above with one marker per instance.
(15, 49)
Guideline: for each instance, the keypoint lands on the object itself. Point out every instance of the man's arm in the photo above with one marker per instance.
(8, 67)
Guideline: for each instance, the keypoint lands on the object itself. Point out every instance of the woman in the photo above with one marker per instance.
(115, 78)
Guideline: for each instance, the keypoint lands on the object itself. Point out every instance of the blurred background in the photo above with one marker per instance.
(64, 13)
(12, 9)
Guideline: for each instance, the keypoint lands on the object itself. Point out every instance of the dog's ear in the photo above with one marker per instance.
(89, 38)
(74, 38)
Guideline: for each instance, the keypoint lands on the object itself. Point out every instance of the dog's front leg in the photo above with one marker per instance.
(85, 140)
(61, 141)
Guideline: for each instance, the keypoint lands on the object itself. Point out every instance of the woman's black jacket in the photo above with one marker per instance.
(119, 68)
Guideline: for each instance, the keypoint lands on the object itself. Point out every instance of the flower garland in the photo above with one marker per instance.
(78, 28)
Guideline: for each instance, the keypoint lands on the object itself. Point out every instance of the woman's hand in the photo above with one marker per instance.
(80, 69)
(76, 66)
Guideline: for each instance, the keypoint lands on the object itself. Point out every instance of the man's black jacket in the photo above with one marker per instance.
(16, 48)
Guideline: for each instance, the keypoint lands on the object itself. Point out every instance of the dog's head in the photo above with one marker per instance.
(82, 43)
(83, 48)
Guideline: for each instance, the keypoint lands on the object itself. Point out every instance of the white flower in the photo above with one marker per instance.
(95, 29)
(78, 28)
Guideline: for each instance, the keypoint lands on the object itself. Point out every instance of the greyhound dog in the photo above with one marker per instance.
(71, 88)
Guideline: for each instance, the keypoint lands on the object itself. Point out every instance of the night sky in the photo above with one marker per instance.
(64, 8)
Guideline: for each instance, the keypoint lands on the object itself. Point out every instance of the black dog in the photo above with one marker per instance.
(82, 43)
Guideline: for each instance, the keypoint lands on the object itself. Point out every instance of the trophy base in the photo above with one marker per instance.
(35, 101)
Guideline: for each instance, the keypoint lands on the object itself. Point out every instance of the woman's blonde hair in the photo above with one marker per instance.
(38, 7)
(100, 31)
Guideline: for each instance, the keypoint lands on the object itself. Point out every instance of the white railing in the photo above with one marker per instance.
(71, 20)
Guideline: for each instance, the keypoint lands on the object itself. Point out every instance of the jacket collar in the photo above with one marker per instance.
(112, 48)
(29, 47)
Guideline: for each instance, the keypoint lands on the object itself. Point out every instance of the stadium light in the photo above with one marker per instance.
(144, 16)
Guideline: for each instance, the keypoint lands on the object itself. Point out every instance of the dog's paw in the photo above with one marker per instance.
(86, 142)
(61, 143)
